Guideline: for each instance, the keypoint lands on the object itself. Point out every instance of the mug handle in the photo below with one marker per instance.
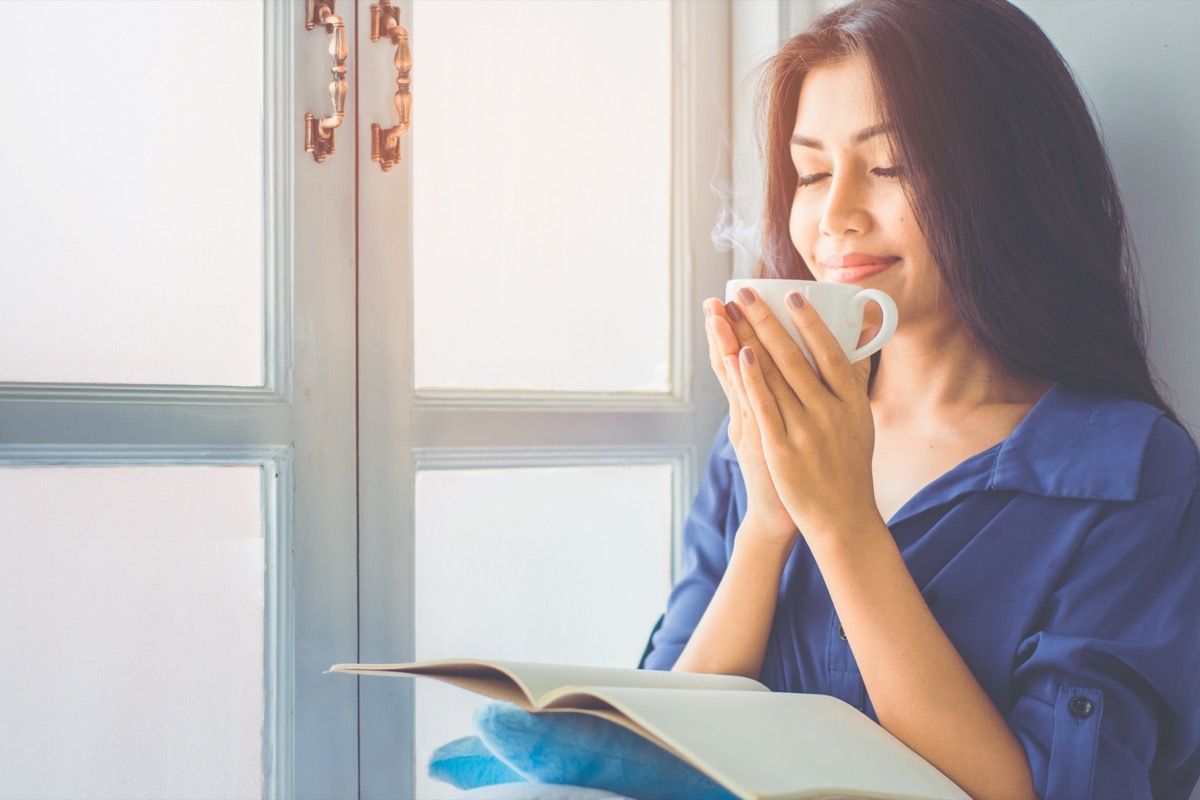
(888, 306)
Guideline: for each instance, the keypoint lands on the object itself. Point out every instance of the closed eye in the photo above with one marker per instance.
(815, 177)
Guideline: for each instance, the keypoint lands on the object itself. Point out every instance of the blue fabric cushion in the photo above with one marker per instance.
(584, 750)
(467, 763)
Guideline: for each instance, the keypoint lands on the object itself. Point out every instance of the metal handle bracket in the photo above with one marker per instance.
(385, 144)
(318, 133)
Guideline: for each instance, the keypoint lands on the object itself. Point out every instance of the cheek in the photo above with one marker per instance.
(902, 221)
(803, 229)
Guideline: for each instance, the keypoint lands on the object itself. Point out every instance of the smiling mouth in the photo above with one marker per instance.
(855, 267)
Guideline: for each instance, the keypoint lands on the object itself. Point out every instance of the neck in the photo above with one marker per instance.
(938, 373)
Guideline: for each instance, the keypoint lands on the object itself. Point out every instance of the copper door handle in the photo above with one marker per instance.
(385, 144)
(318, 133)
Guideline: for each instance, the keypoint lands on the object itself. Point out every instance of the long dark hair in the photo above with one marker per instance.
(1006, 174)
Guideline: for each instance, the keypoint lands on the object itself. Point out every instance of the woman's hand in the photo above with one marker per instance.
(765, 513)
(817, 433)
(817, 437)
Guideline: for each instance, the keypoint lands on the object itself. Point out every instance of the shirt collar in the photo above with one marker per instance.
(1076, 444)
(1072, 443)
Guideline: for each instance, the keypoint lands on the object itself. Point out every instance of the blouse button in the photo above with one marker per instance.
(842, 633)
(1080, 707)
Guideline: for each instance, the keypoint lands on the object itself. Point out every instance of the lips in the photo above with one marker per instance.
(855, 267)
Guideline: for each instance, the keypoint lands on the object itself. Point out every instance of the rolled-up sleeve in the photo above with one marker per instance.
(705, 557)
(1108, 687)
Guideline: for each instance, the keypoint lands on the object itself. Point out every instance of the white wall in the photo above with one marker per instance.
(1138, 64)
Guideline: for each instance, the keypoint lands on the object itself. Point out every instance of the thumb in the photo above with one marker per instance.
(864, 366)
(863, 370)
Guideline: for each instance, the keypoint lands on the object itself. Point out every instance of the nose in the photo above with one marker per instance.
(845, 208)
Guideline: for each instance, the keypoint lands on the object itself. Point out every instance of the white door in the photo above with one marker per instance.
(177, 419)
(533, 388)
(260, 414)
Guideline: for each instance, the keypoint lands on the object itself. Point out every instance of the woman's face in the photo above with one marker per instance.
(850, 219)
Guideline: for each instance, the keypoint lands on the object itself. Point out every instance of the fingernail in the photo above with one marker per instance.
(733, 311)
(707, 312)
(795, 300)
(748, 355)
(746, 296)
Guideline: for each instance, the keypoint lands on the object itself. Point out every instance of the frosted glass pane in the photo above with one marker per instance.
(541, 164)
(132, 208)
(568, 565)
(132, 631)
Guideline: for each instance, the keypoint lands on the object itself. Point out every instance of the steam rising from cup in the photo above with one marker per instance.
(732, 234)
(739, 163)
(745, 240)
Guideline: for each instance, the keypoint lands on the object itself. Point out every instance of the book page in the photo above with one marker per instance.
(545, 681)
(778, 746)
(514, 681)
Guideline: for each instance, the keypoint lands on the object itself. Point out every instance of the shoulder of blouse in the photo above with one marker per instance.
(1078, 444)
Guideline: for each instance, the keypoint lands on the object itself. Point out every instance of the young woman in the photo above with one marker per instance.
(989, 537)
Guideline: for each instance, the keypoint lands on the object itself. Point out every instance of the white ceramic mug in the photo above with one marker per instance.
(840, 306)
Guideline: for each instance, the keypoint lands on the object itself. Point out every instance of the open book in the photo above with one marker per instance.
(758, 744)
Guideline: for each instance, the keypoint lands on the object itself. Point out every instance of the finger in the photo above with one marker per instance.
(746, 335)
(716, 358)
(726, 339)
(750, 431)
(723, 348)
(863, 367)
(834, 367)
(862, 371)
(785, 353)
(758, 396)
(737, 408)
(722, 328)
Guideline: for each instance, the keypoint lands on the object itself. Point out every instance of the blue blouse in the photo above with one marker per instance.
(1063, 563)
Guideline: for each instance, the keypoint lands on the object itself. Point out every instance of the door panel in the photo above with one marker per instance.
(555, 564)
(542, 196)
(530, 279)
(244, 306)
(134, 199)
(133, 625)
(194, 311)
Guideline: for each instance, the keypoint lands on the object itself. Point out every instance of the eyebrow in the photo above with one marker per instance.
(858, 138)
